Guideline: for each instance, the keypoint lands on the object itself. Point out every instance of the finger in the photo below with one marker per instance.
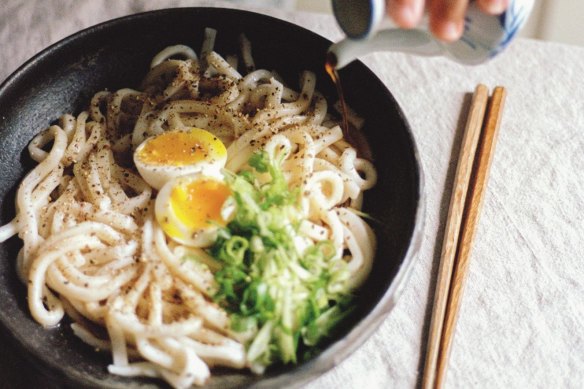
(493, 7)
(447, 18)
(405, 13)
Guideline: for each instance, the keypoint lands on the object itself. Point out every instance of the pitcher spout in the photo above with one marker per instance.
(407, 41)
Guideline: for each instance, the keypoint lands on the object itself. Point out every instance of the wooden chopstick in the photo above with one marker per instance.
(470, 220)
(470, 139)
(458, 241)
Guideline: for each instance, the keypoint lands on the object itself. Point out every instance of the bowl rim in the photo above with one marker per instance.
(337, 351)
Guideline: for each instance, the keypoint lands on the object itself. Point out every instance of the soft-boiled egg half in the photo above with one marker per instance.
(177, 153)
(185, 166)
(190, 209)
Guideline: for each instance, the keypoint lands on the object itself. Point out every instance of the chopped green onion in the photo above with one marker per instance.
(287, 293)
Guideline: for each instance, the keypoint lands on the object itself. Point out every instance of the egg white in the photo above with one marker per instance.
(193, 229)
(158, 173)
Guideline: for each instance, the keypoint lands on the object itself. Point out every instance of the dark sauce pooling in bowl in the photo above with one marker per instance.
(352, 135)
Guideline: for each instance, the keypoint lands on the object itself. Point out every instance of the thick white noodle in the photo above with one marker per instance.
(93, 248)
(172, 51)
(246, 56)
(208, 45)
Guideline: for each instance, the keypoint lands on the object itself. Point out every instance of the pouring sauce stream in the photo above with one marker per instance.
(350, 133)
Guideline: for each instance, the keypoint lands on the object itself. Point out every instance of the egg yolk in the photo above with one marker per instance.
(198, 202)
(182, 147)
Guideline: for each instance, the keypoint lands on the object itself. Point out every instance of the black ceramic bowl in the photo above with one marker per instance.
(117, 54)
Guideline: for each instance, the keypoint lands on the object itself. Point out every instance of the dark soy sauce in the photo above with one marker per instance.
(330, 67)
(351, 134)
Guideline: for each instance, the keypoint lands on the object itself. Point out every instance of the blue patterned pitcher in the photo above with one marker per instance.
(368, 30)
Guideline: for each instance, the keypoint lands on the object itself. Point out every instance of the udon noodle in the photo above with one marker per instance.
(92, 247)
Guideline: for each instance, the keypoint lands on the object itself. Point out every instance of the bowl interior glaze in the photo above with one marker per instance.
(117, 54)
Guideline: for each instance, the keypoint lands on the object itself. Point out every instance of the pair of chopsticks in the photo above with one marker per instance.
(476, 154)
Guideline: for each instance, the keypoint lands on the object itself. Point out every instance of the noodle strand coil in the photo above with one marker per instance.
(93, 248)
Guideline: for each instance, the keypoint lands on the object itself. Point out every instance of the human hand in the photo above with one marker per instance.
(446, 16)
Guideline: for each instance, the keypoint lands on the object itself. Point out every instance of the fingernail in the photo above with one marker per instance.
(408, 16)
(405, 16)
(450, 31)
(494, 7)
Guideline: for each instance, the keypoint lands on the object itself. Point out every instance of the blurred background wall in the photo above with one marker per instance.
(557, 21)
(551, 20)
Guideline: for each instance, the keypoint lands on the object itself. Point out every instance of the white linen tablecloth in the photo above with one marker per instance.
(521, 322)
